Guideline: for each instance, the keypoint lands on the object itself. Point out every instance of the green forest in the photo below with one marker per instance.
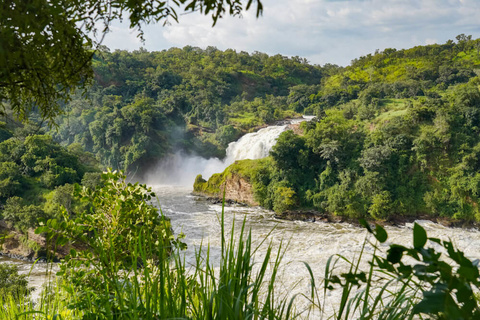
(141, 107)
(144, 105)
(396, 135)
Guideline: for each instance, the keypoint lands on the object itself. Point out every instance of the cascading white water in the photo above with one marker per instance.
(255, 145)
(181, 169)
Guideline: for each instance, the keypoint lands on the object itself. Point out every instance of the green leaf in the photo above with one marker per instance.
(406, 271)
(380, 234)
(40, 230)
(395, 253)
(365, 224)
(469, 273)
(419, 236)
(432, 303)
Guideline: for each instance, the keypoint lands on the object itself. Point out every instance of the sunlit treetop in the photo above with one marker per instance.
(46, 46)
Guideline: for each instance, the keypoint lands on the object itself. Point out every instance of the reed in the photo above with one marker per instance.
(165, 288)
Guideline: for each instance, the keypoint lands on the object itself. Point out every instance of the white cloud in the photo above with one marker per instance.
(322, 31)
(124, 37)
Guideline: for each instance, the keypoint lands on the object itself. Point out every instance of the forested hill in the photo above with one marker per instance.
(145, 105)
(397, 134)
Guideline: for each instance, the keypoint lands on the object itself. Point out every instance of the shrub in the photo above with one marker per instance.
(21, 216)
(11, 283)
(134, 270)
(119, 219)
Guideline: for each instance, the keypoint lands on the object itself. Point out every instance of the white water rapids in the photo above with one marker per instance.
(305, 242)
(310, 242)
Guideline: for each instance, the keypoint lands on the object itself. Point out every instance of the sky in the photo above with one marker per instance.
(322, 31)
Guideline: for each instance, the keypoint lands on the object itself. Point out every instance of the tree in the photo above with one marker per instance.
(46, 46)
(10, 179)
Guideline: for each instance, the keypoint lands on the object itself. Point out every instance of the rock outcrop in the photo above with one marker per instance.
(235, 180)
(238, 189)
(29, 246)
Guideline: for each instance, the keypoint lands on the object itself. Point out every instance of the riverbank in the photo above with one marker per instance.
(27, 246)
(400, 221)
(308, 215)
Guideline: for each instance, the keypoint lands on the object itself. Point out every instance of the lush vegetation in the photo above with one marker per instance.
(11, 283)
(150, 280)
(144, 106)
(396, 135)
(134, 269)
(37, 178)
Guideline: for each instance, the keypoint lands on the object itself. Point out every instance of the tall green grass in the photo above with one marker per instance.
(165, 288)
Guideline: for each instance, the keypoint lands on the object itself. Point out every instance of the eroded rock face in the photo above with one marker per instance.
(28, 246)
(12, 245)
(239, 190)
(295, 127)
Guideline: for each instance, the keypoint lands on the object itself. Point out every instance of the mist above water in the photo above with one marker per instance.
(181, 169)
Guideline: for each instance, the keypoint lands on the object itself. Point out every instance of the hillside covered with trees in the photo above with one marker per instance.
(144, 105)
(140, 108)
(396, 134)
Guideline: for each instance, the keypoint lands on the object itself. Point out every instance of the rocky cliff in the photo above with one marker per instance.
(235, 180)
(238, 189)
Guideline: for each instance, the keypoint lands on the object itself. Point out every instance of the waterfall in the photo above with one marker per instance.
(255, 145)
(181, 169)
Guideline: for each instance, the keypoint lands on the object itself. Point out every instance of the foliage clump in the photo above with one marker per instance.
(132, 268)
(37, 177)
(11, 283)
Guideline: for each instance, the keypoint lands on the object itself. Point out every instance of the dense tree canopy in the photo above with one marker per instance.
(46, 46)
(144, 105)
(396, 134)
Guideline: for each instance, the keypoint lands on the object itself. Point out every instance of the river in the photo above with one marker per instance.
(310, 242)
